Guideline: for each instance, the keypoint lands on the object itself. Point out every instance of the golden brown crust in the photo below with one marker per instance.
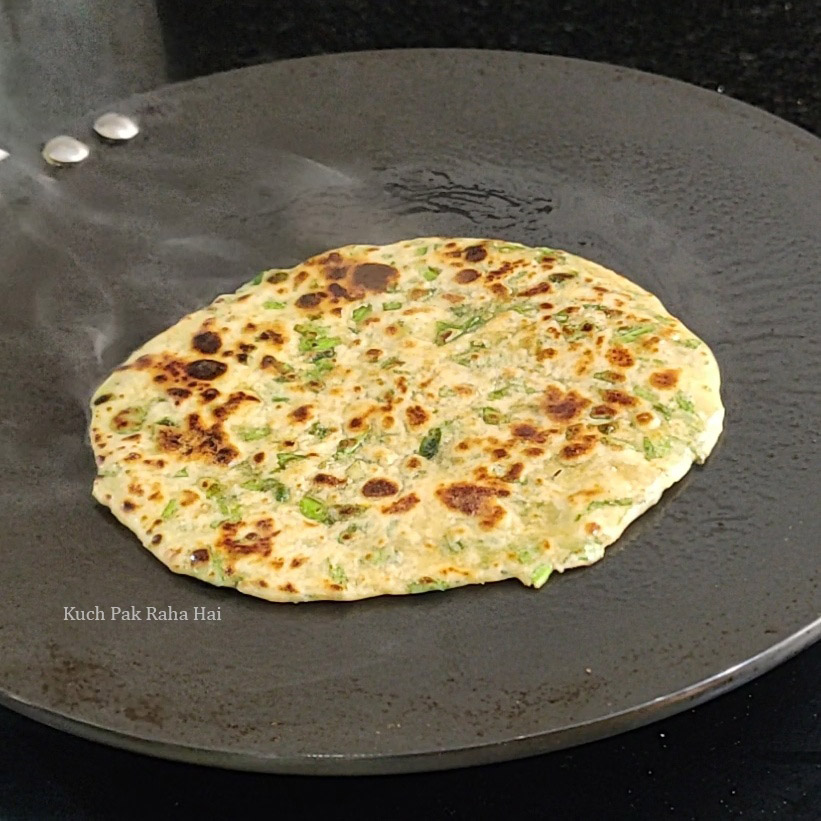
(401, 418)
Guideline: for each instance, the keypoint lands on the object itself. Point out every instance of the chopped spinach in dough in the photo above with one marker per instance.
(397, 419)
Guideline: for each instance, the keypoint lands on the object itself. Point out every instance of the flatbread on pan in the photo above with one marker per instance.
(417, 416)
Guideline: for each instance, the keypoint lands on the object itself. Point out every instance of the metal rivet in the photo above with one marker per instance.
(64, 150)
(116, 127)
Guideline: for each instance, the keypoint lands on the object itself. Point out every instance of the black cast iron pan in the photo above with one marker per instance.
(708, 203)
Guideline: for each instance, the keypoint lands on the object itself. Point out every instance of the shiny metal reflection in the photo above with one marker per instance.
(65, 150)
(116, 127)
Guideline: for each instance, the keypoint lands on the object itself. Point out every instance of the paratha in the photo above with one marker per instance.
(403, 418)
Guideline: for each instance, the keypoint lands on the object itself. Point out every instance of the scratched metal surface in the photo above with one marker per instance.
(706, 202)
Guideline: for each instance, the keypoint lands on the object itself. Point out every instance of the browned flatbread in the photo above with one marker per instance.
(386, 420)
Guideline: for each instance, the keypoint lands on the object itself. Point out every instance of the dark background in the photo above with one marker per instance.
(755, 753)
(767, 54)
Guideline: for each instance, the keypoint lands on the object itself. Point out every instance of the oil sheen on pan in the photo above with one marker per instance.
(404, 418)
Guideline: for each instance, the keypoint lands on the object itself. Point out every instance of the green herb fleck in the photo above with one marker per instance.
(326, 354)
(524, 307)
(256, 280)
(421, 251)
(314, 509)
(499, 392)
(631, 334)
(323, 363)
(348, 445)
(431, 273)
(429, 446)
(427, 586)
(226, 504)
(230, 508)
(603, 308)
(170, 509)
(561, 317)
(448, 331)
(391, 306)
(456, 546)
(491, 416)
(663, 410)
(223, 577)
(337, 574)
(362, 312)
(318, 430)
(646, 393)
(254, 484)
(540, 575)
(166, 422)
(180, 474)
(325, 343)
(655, 450)
(252, 434)
(287, 373)
(284, 459)
(595, 505)
(280, 491)
(444, 332)
(273, 304)
(217, 567)
(684, 403)
(689, 343)
(525, 556)
(572, 333)
(391, 362)
(464, 359)
(608, 376)
(473, 323)
(314, 338)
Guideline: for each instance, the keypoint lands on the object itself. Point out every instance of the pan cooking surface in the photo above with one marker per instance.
(704, 201)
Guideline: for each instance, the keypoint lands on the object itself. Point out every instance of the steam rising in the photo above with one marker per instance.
(106, 255)
(109, 256)
(131, 242)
